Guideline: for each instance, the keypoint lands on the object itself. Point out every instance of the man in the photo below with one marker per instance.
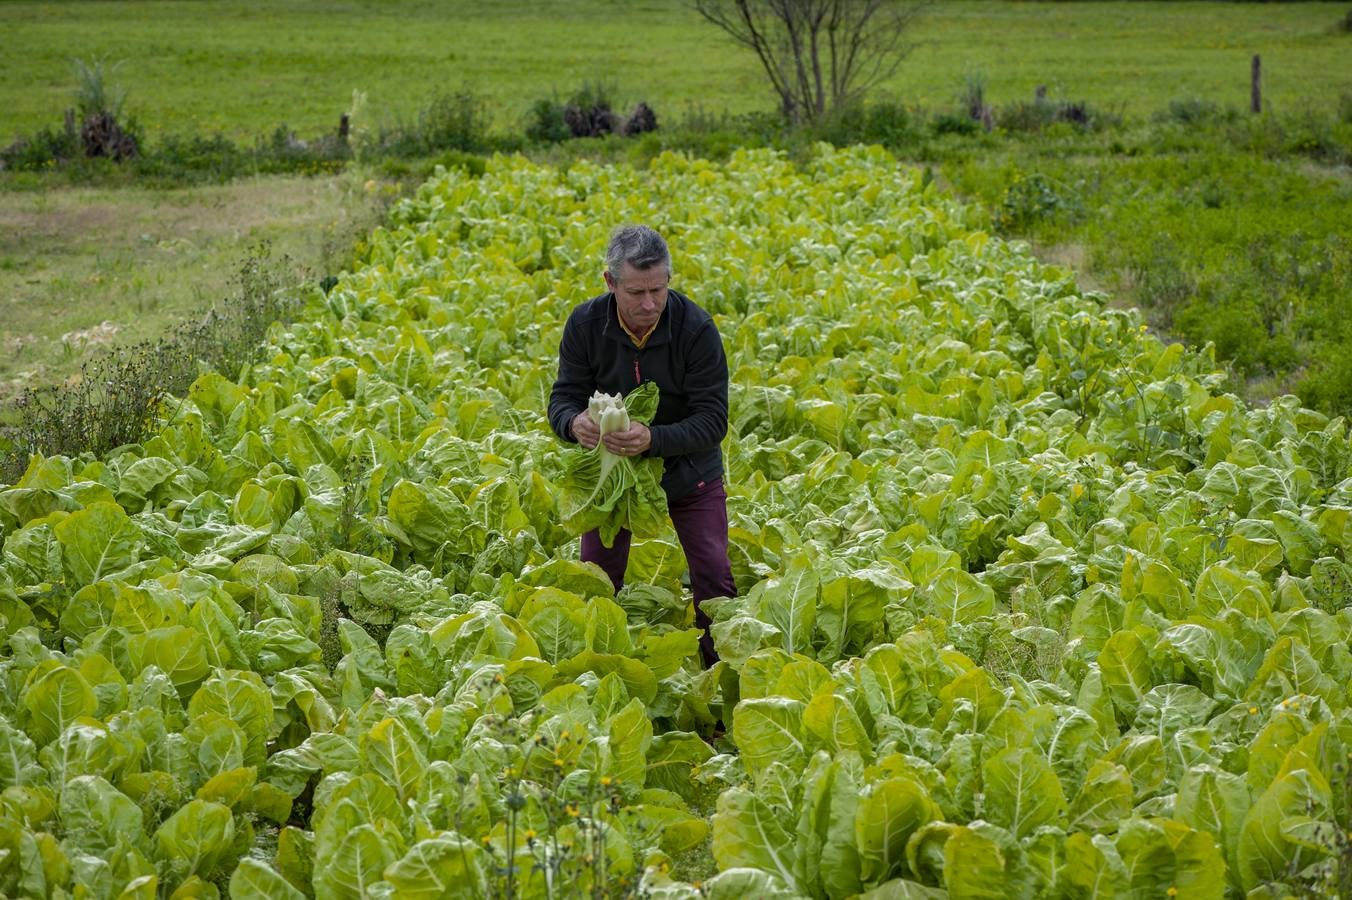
(641, 330)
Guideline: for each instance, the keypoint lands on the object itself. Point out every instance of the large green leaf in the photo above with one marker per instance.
(969, 702)
(790, 603)
(889, 812)
(1169, 708)
(425, 517)
(630, 734)
(829, 859)
(390, 751)
(437, 867)
(1143, 757)
(1215, 801)
(851, 608)
(142, 477)
(770, 730)
(672, 760)
(1093, 867)
(1162, 855)
(959, 597)
(357, 862)
(1022, 790)
(607, 627)
(656, 562)
(176, 650)
(1266, 851)
(97, 541)
(54, 697)
(1127, 673)
(833, 721)
(364, 800)
(737, 638)
(216, 744)
(1104, 798)
(98, 817)
(242, 698)
(974, 867)
(1288, 669)
(747, 834)
(18, 758)
(256, 880)
(195, 839)
(559, 630)
(733, 884)
(638, 679)
(892, 684)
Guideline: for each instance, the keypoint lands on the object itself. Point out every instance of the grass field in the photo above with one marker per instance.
(242, 68)
(81, 268)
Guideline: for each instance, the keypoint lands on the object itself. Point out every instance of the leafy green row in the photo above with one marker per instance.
(1027, 606)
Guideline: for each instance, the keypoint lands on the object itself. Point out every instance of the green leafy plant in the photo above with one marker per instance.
(1027, 602)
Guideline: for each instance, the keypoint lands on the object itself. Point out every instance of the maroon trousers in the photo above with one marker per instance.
(701, 520)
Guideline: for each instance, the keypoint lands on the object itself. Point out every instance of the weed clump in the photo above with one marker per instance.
(99, 105)
(589, 112)
(1042, 113)
(886, 122)
(1034, 199)
(456, 120)
(1192, 112)
(112, 399)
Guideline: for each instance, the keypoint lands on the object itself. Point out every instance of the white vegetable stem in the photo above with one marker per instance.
(608, 412)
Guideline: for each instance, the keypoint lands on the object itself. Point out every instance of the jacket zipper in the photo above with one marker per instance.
(638, 379)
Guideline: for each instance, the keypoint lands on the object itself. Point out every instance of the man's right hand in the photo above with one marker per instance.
(587, 432)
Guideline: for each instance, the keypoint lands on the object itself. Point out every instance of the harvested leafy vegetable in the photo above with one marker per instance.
(607, 492)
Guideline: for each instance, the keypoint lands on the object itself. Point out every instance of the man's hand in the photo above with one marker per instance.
(630, 442)
(587, 432)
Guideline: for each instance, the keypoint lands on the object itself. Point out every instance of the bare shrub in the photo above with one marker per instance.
(819, 55)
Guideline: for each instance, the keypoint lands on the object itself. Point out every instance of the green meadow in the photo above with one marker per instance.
(242, 68)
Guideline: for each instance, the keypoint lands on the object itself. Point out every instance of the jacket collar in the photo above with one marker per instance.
(661, 332)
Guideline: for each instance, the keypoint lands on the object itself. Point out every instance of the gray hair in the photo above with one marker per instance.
(639, 246)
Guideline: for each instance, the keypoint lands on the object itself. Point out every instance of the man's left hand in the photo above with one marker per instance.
(633, 441)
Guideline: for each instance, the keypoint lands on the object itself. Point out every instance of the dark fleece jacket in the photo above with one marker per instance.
(684, 355)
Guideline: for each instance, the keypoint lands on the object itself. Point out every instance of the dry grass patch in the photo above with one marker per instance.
(80, 267)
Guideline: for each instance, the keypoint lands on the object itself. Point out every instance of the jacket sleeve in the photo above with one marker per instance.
(706, 386)
(574, 384)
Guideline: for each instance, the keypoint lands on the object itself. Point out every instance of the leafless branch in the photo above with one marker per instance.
(819, 55)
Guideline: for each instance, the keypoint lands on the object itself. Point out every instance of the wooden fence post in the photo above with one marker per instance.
(1256, 86)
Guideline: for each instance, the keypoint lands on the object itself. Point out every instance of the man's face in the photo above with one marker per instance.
(641, 295)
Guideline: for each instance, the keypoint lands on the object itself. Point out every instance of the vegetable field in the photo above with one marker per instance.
(1028, 607)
